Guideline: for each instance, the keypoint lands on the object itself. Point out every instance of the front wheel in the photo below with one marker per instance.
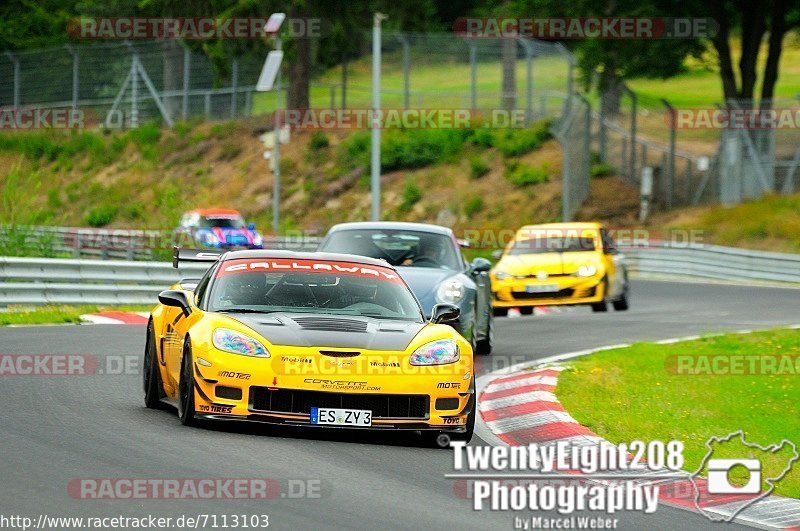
(153, 389)
(500, 312)
(483, 347)
(186, 412)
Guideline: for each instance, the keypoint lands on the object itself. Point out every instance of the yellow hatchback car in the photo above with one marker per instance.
(560, 263)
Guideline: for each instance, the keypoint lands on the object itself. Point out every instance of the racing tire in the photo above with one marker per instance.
(526, 310)
(151, 376)
(186, 412)
(483, 347)
(621, 304)
(500, 312)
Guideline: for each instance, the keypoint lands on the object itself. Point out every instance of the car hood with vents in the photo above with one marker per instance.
(311, 330)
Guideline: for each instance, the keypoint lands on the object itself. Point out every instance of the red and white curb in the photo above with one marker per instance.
(114, 317)
(518, 406)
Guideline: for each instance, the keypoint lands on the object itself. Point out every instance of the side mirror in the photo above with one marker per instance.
(445, 313)
(481, 265)
(251, 227)
(497, 254)
(176, 299)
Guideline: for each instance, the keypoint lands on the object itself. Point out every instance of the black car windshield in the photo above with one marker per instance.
(398, 247)
(310, 286)
(225, 222)
(559, 244)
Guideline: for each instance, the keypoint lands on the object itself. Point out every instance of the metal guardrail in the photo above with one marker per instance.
(36, 281)
(39, 281)
(715, 262)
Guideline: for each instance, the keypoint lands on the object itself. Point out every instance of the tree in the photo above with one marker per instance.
(606, 63)
(754, 19)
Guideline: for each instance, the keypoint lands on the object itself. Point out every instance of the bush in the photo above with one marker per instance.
(473, 206)
(412, 194)
(145, 135)
(602, 169)
(319, 140)
(408, 149)
(515, 142)
(524, 175)
(101, 216)
(512, 142)
(229, 151)
(477, 167)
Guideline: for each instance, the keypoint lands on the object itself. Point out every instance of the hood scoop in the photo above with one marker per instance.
(340, 354)
(331, 324)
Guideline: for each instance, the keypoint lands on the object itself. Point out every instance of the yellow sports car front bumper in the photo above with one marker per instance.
(282, 389)
(555, 290)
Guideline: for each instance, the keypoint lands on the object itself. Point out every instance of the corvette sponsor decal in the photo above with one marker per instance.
(448, 385)
(342, 385)
(309, 266)
(232, 374)
(216, 409)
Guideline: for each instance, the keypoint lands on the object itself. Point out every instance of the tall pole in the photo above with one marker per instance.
(375, 166)
(276, 152)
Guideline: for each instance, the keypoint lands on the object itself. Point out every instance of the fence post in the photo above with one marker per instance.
(187, 66)
(473, 74)
(333, 96)
(528, 78)
(406, 67)
(601, 132)
(634, 108)
(135, 89)
(344, 79)
(17, 81)
(248, 103)
(207, 104)
(75, 74)
(673, 133)
(234, 86)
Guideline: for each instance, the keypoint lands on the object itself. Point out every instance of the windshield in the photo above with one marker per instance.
(398, 247)
(225, 222)
(310, 286)
(551, 244)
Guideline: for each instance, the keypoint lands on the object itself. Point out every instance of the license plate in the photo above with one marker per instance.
(341, 417)
(541, 288)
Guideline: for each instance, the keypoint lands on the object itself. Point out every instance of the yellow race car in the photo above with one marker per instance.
(560, 263)
(308, 339)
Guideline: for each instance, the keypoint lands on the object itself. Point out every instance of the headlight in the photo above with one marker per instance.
(501, 275)
(450, 291)
(587, 271)
(238, 343)
(439, 352)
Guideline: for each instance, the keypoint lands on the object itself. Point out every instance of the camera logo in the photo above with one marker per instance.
(719, 476)
(739, 474)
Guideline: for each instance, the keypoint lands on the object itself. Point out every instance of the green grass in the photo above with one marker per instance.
(770, 223)
(629, 393)
(57, 314)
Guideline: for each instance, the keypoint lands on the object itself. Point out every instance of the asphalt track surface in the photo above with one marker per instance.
(56, 429)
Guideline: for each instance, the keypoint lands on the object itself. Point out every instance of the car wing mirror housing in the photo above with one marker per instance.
(481, 265)
(497, 254)
(445, 313)
(176, 299)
